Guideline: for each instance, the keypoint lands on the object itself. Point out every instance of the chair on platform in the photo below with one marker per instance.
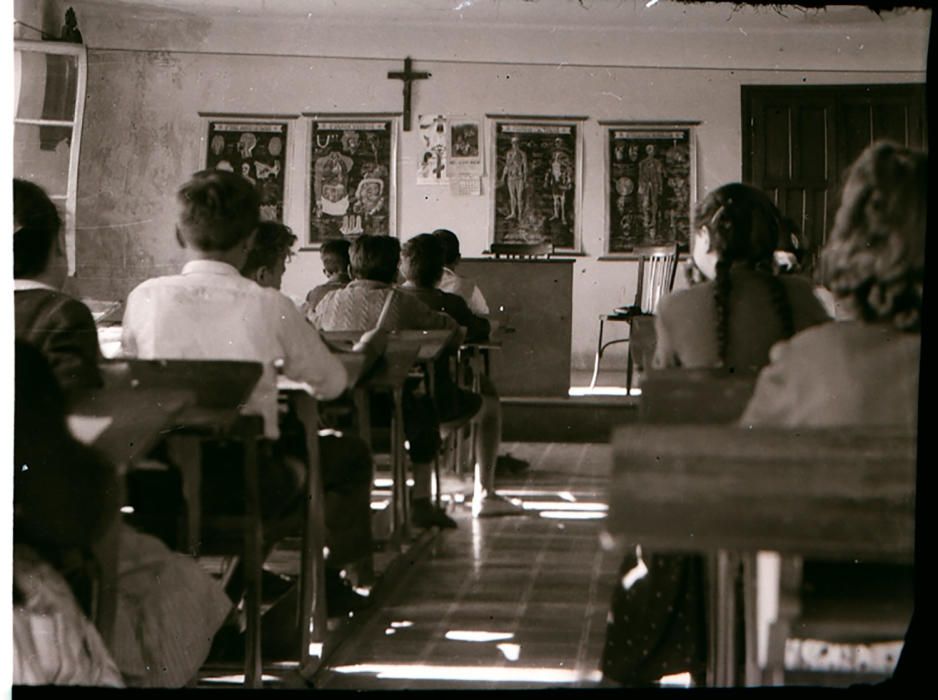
(657, 267)
(542, 249)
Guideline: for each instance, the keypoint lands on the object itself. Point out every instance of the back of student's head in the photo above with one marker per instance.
(874, 259)
(744, 227)
(375, 258)
(217, 210)
(450, 244)
(424, 256)
(36, 224)
(272, 243)
(743, 223)
(335, 256)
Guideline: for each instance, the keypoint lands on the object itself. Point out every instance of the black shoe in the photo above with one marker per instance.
(506, 464)
(341, 598)
(425, 515)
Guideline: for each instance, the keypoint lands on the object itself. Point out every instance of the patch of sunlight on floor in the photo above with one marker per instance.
(483, 674)
(602, 391)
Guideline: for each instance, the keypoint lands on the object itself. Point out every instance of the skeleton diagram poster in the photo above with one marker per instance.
(256, 150)
(649, 186)
(352, 185)
(536, 183)
(434, 144)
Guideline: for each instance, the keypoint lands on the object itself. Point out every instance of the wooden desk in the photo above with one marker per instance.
(837, 494)
(532, 301)
(140, 418)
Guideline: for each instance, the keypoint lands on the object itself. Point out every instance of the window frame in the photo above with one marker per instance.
(71, 195)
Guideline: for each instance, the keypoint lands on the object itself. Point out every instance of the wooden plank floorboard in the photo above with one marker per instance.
(542, 583)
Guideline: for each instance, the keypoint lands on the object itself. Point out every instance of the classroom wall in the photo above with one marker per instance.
(150, 73)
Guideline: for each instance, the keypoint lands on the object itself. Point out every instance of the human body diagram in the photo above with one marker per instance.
(515, 174)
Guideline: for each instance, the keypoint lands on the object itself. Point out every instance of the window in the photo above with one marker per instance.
(49, 97)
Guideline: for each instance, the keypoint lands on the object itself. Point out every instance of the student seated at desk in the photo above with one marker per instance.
(59, 325)
(211, 312)
(454, 283)
(657, 624)
(743, 308)
(168, 609)
(64, 498)
(358, 307)
(335, 266)
(422, 267)
(345, 460)
(863, 371)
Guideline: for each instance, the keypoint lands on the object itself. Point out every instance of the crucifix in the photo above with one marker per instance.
(408, 76)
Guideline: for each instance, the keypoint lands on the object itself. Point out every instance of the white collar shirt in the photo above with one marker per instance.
(466, 288)
(211, 312)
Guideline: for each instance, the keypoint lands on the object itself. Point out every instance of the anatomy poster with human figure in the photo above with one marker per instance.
(535, 184)
(352, 188)
(650, 186)
(258, 152)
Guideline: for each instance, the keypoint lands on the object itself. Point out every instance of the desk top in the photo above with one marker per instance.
(139, 417)
(355, 367)
(429, 343)
(837, 493)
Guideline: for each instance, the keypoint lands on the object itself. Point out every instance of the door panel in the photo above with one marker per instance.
(798, 141)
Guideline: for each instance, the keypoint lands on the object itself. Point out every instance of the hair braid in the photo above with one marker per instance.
(721, 300)
(782, 304)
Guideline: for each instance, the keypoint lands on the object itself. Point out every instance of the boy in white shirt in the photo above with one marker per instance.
(211, 312)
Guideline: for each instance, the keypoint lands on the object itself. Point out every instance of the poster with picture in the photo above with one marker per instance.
(465, 146)
(256, 150)
(352, 183)
(434, 147)
(536, 182)
(650, 185)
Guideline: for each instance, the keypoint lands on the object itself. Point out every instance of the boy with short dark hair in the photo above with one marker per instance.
(211, 312)
(345, 461)
(422, 265)
(335, 266)
(453, 282)
(374, 267)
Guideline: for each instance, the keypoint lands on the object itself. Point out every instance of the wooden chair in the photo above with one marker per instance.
(657, 267)
(542, 249)
(220, 388)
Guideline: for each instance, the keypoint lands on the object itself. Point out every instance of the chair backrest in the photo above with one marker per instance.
(217, 384)
(657, 266)
(523, 250)
(695, 396)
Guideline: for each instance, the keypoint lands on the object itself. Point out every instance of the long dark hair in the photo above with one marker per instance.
(744, 228)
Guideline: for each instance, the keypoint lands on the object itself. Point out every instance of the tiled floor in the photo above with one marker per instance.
(512, 602)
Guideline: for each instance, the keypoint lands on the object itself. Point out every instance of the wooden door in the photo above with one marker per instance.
(798, 141)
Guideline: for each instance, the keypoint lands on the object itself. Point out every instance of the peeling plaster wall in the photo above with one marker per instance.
(142, 131)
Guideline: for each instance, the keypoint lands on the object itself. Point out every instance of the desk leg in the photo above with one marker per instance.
(253, 560)
(312, 613)
(599, 354)
(721, 670)
(398, 470)
(185, 451)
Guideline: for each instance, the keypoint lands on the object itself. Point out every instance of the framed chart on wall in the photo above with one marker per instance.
(650, 184)
(536, 180)
(255, 148)
(352, 176)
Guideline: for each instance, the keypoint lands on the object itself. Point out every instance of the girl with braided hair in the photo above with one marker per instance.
(657, 624)
(734, 317)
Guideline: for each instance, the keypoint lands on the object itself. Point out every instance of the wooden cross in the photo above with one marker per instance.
(408, 76)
